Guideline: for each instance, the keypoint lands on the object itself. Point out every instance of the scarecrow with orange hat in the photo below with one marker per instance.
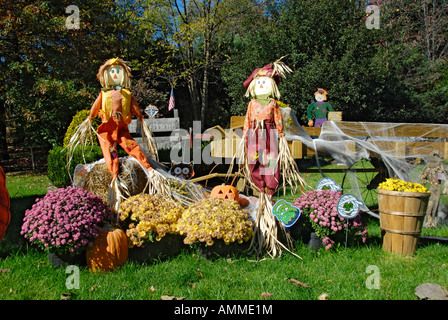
(264, 153)
(116, 105)
(319, 109)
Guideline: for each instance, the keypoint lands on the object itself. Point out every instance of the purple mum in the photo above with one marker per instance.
(321, 209)
(66, 220)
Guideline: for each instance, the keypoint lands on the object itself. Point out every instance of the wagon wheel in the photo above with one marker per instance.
(362, 180)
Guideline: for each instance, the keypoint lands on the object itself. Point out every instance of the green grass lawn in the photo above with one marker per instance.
(360, 272)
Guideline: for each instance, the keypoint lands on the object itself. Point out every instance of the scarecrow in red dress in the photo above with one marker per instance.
(264, 151)
(116, 105)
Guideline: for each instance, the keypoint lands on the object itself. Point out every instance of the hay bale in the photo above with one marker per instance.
(98, 179)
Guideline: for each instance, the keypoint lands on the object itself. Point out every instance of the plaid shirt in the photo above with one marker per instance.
(271, 113)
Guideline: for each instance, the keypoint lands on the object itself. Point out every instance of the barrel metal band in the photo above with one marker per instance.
(396, 213)
(410, 233)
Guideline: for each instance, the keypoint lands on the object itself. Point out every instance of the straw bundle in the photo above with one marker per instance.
(288, 168)
(157, 183)
(281, 68)
(117, 192)
(149, 140)
(185, 191)
(99, 179)
(81, 138)
(266, 230)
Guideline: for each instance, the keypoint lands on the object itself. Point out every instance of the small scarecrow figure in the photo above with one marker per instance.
(319, 109)
(116, 105)
(264, 152)
(434, 172)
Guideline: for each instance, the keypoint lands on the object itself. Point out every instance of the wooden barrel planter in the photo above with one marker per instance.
(401, 219)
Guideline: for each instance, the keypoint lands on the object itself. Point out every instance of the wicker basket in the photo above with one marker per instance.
(401, 219)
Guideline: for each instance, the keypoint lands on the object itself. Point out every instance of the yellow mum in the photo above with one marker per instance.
(400, 185)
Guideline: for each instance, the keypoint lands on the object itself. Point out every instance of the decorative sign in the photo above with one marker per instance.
(151, 110)
(348, 206)
(286, 212)
(328, 183)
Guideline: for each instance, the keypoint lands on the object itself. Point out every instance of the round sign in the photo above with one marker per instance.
(328, 183)
(348, 206)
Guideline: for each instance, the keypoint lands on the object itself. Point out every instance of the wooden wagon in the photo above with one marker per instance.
(407, 141)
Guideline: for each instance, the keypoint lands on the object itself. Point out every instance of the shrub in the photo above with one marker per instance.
(57, 164)
(78, 118)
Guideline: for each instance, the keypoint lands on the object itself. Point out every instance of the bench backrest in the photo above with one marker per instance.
(386, 129)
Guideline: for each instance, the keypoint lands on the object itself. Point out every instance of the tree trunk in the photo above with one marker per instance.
(192, 89)
(205, 83)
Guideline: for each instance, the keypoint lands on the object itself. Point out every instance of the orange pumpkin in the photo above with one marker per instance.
(109, 250)
(5, 202)
(225, 192)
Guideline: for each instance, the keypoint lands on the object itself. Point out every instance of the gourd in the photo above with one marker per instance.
(225, 192)
(5, 213)
(109, 250)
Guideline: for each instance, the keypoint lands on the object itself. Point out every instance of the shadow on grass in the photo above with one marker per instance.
(13, 240)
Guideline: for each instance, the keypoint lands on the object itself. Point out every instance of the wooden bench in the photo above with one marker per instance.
(402, 138)
(158, 126)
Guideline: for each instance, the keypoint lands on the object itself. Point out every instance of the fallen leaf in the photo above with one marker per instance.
(152, 289)
(4, 270)
(431, 291)
(65, 296)
(171, 298)
(266, 295)
(200, 274)
(297, 282)
(93, 287)
(323, 296)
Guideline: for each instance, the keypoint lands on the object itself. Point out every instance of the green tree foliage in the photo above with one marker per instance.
(195, 32)
(58, 173)
(207, 48)
(329, 46)
(415, 46)
(48, 71)
(76, 121)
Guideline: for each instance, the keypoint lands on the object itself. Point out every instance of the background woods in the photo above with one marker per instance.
(205, 49)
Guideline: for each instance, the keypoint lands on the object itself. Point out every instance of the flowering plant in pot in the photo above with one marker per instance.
(320, 209)
(65, 221)
(213, 219)
(148, 218)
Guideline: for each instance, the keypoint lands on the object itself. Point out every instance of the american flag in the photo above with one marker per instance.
(171, 104)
